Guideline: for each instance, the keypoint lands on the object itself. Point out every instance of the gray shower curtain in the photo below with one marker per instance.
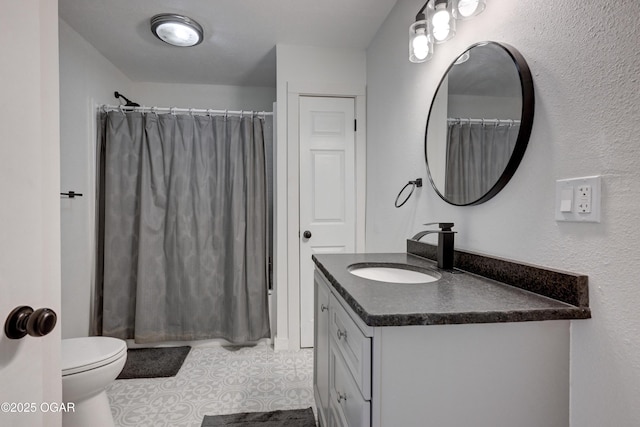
(477, 155)
(184, 226)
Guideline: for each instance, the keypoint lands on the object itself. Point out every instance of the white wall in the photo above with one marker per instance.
(584, 59)
(86, 79)
(312, 71)
(203, 96)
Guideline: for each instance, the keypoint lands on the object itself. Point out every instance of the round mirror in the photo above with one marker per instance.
(479, 123)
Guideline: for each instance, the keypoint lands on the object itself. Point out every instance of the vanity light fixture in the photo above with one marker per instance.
(436, 23)
(176, 30)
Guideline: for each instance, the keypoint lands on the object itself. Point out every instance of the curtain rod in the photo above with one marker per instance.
(484, 121)
(175, 110)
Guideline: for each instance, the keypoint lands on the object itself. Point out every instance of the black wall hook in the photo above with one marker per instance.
(71, 194)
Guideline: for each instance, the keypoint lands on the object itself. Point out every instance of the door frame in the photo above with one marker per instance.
(294, 91)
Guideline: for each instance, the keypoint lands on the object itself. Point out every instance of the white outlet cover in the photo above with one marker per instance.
(563, 185)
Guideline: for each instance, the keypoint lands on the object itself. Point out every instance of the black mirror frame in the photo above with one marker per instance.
(526, 124)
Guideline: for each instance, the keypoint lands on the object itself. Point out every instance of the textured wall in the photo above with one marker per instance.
(585, 63)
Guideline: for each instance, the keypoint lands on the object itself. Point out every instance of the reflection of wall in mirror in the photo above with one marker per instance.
(437, 136)
(484, 107)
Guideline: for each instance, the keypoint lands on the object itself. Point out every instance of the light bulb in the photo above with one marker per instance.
(177, 34)
(420, 41)
(441, 33)
(420, 45)
(467, 7)
(440, 18)
(440, 22)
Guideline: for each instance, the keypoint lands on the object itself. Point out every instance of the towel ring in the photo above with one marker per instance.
(413, 184)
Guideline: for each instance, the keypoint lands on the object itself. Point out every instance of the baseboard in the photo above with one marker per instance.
(280, 344)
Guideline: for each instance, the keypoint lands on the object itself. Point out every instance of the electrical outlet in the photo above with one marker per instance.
(578, 199)
(584, 199)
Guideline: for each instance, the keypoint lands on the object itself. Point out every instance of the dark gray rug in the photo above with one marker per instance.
(153, 362)
(289, 418)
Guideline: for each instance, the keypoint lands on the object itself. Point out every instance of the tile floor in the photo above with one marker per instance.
(216, 380)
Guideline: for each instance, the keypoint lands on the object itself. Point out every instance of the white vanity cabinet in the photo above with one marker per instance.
(321, 349)
(476, 374)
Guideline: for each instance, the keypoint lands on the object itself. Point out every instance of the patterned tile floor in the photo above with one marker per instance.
(216, 380)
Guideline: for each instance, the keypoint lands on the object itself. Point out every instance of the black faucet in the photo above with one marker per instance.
(445, 243)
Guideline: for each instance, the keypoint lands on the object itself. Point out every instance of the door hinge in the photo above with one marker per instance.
(355, 125)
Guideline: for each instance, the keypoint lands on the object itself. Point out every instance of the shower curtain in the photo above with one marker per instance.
(183, 226)
(477, 154)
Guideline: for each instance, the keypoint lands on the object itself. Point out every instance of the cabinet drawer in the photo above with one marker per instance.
(354, 347)
(347, 407)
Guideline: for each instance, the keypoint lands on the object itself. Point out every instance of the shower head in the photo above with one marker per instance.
(129, 103)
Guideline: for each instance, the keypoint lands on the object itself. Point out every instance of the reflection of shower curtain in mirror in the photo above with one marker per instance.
(477, 155)
(183, 227)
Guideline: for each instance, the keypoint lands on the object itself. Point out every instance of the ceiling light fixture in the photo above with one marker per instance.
(176, 30)
(438, 24)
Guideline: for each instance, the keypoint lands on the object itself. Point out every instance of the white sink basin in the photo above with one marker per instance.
(393, 273)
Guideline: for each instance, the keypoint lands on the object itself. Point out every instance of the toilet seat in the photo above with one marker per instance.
(87, 353)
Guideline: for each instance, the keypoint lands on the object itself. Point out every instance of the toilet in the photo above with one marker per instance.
(89, 364)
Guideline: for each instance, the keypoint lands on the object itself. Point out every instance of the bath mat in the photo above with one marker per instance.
(153, 362)
(288, 418)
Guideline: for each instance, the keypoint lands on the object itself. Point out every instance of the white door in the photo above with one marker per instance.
(30, 376)
(327, 190)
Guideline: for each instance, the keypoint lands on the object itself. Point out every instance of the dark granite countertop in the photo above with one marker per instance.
(457, 297)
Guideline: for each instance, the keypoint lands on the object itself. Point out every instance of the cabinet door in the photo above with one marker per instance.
(321, 349)
(353, 345)
(347, 406)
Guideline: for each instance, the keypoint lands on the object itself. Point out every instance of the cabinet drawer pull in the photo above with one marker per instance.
(323, 307)
(341, 397)
(342, 334)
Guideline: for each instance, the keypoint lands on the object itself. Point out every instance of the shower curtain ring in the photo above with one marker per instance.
(241, 113)
(225, 114)
(121, 109)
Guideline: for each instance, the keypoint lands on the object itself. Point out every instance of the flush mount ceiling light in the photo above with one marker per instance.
(177, 30)
(436, 23)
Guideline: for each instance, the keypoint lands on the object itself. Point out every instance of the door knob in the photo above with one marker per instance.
(24, 320)
(306, 234)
